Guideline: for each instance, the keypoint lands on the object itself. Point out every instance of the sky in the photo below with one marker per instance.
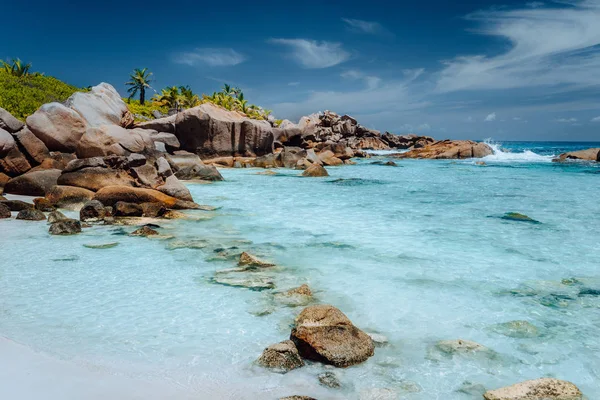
(506, 70)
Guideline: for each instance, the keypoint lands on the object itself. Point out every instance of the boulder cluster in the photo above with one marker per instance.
(70, 152)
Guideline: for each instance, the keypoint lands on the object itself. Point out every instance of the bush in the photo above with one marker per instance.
(145, 110)
(22, 96)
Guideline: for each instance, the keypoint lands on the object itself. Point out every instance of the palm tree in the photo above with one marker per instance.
(188, 98)
(140, 80)
(168, 97)
(16, 68)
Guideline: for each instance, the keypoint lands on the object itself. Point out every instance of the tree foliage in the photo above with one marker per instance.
(139, 80)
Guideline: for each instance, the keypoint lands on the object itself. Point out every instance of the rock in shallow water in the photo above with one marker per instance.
(538, 389)
(31, 215)
(144, 231)
(65, 227)
(4, 211)
(251, 262)
(315, 171)
(101, 246)
(516, 329)
(513, 216)
(281, 357)
(56, 216)
(329, 379)
(250, 282)
(300, 296)
(323, 333)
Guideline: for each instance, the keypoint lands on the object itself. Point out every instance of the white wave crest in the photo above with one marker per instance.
(500, 155)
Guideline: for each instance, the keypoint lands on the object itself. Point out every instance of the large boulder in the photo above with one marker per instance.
(592, 154)
(113, 139)
(14, 163)
(281, 357)
(173, 187)
(67, 196)
(4, 211)
(323, 333)
(58, 126)
(450, 149)
(538, 389)
(31, 214)
(35, 183)
(102, 105)
(291, 155)
(7, 142)
(112, 194)
(95, 178)
(94, 210)
(36, 149)
(8, 122)
(210, 131)
(199, 172)
(315, 171)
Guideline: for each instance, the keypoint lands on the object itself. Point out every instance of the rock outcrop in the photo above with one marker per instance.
(112, 194)
(35, 183)
(281, 357)
(323, 333)
(65, 227)
(538, 389)
(9, 123)
(449, 149)
(583, 155)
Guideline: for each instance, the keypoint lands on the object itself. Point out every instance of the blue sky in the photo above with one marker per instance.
(506, 70)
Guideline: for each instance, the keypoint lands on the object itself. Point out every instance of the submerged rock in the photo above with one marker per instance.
(516, 329)
(251, 262)
(472, 389)
(281, 357)
(514, 216)
(300, 296)
(65, 227)
(378, 394)
(31, 215)
(250, 282)
(323, 333)
(538, 389)
(330, 380)
(297, 398)
(450, 348)
(101, 246)
(144, 231)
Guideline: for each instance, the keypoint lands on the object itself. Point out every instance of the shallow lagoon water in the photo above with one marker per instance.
(418, 253)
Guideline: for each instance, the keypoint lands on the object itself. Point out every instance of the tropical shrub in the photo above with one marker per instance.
(23, 95)
(145, 110)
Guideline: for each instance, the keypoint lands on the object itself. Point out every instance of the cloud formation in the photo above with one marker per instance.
(597, 119)
(213, 57)
(550, 47)
(369, 27)
(314, 54)
(371, 81)
(566, 120)
(490, 118)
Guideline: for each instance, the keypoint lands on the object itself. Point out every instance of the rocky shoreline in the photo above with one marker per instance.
(88, 155)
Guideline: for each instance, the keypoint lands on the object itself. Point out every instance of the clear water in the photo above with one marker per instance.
(417, 253)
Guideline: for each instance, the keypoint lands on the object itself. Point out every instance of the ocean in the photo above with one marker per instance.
(418, 253)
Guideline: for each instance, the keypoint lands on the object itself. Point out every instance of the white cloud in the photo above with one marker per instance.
(372, 82)
(597, 119)
(293, 83)
(369, 27)
(566, 120)
(491, 117)
(314, 54)
(210, 56)
(469, 119)
(549, 46)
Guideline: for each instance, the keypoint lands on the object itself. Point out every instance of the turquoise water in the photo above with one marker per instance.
(418, 253)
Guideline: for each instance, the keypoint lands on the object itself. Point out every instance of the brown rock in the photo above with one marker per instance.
(199, 172)
(449, 149)
(14, 163)
(31, 215)
(17, 205)
(281, 357)
(123, 209)
(56, 216)
(3, 180)
(323, 333)
(327, 157)
(113, 140)
(92, 162)
(173, 187)
(250, 261)
(93, 211)
(67, 196)
(297, 398)
(144, 231)
(65, 227)
(300, 296)
(4, 211)
(42, 204)
(586, 155)
(96, 178)
(538, 389)
(315, 170)
(36, 149)
(152, 210)
(111, 194)
(147, 176)
(35, 183)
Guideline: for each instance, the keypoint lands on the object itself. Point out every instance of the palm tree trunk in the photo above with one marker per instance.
(142, 96)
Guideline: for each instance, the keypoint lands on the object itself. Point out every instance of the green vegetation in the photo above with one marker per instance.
(21, 92)
(140, 80)
(233, 99)
(145, 110)
(16, 67)
(177, 98)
